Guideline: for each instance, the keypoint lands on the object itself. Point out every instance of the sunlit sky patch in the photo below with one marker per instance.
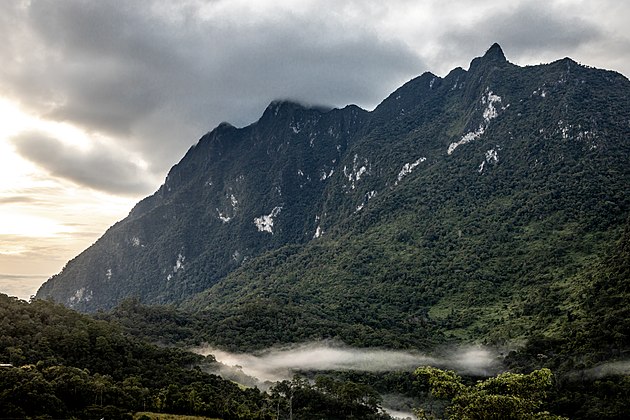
(44, 220)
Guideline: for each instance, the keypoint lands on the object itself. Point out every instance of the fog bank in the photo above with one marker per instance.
(280, 363)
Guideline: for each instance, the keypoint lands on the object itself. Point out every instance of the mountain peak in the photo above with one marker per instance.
(287, 107)
(495, 53)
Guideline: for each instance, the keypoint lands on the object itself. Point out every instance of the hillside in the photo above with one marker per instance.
(57, 363)
(453, 211)
(61, 364)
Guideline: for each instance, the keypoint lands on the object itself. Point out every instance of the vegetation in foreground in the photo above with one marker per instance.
(62, 364)
(593, 330)
(508, 396)
(65, 364)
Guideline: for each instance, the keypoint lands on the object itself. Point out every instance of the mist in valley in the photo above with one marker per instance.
(277, 364)
(266, 367)
(621, 367)
(281, 363)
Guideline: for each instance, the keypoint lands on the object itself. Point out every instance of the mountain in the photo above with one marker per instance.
(467, 207)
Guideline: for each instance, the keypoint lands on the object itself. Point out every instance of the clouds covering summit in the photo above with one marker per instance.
(154, 78)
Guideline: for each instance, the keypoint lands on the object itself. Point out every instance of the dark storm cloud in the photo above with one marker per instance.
(530, 28)
(160, 78)
(100, 167)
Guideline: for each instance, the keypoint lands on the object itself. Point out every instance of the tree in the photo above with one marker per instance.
(504, 397)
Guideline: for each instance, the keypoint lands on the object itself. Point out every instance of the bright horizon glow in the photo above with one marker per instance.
(45, 221)
(12, 223)
(15, 120)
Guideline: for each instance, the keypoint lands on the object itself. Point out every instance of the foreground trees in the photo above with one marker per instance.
(504, 397)
(59, 363)
(325, 398)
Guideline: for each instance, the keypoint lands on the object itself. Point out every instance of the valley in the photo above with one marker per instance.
(478, 222)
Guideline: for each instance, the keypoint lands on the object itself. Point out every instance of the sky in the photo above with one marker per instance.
(98, 99)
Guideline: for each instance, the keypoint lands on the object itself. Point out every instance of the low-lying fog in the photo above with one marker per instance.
(280, 363)
(606, 369)
(264, 368)
(276, 364)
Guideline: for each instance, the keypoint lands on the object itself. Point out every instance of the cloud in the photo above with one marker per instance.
(13, 244)
(280, 363)
(17, 199)
(100, 167)
(620, 367)
(155, 75)
(531, 29)
(150, 73)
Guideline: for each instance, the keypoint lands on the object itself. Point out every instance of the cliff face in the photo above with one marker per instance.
(235, 194)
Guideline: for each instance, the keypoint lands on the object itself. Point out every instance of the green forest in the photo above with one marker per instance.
(511, 232)
(58, 363)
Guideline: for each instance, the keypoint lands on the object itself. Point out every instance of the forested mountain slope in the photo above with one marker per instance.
(453, 211)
